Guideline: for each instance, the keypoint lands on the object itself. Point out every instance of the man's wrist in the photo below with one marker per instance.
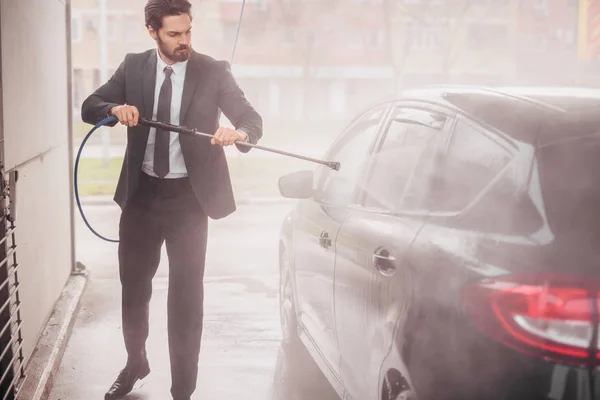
(244, 135)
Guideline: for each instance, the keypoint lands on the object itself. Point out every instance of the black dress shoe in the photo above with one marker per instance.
(125, 381)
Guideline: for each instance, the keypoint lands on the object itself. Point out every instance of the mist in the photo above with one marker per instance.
(315, 70)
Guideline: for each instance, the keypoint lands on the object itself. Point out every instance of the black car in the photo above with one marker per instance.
(455, 254)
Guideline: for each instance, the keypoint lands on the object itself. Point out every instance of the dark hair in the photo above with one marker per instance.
(156, 10)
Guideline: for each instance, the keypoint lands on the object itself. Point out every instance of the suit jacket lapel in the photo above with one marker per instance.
(149, 84)
(142, 132)
(192, 76)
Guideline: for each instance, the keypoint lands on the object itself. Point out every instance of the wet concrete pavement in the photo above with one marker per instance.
(240, 356)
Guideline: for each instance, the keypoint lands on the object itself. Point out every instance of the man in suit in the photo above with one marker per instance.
(170, 184)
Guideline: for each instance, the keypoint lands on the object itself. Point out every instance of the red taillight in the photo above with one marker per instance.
(552, 319)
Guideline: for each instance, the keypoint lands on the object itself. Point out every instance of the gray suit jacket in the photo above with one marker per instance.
(209, 86)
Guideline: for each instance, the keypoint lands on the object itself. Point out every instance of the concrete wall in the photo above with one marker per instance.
(34, 69)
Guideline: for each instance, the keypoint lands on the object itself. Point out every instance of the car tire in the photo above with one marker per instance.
(394, 385)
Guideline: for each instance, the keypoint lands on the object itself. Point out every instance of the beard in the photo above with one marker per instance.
(181, 53)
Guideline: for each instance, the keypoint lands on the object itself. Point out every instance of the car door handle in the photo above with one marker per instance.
(324, 240)
(384, 261)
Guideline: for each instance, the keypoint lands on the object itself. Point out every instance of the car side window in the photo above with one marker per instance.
(351, 151)
(450, 179)
(405, 140)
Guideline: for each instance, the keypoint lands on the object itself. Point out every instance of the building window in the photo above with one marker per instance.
(541, 6)
(229, 32)
(365, 38)
(96, 80)
(134, 28)
(78, 87)
(424, 36)
(374, 39)
(76, 31)
(316, 96)
(565, 36)
(111, 28)
(292, 90)
(289, 36)
(539, 42)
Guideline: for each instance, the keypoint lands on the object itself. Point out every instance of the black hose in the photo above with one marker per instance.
(75, 173)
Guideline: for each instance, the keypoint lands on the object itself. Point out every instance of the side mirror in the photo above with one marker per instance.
(297, 185)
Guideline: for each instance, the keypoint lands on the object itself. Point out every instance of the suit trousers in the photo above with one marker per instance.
(164, 211)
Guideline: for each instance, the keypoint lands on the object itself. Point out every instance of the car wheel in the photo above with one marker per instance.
(287, 309)
(396, 387)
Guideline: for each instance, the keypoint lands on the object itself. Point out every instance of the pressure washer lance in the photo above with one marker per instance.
(181, 129)
(167, 127)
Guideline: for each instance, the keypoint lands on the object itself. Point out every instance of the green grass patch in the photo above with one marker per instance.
(250, 177)
(97, 189)
(118, 133)
(94, 169)
(97, 179)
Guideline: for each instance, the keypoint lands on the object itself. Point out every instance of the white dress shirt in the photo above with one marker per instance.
(177, 168)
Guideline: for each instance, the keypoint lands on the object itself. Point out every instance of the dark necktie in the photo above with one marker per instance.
(163, 114)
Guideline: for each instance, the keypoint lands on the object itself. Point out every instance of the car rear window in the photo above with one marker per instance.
(570, 182)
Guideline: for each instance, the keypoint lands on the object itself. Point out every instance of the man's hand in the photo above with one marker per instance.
(227, 137)
(127, 115)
